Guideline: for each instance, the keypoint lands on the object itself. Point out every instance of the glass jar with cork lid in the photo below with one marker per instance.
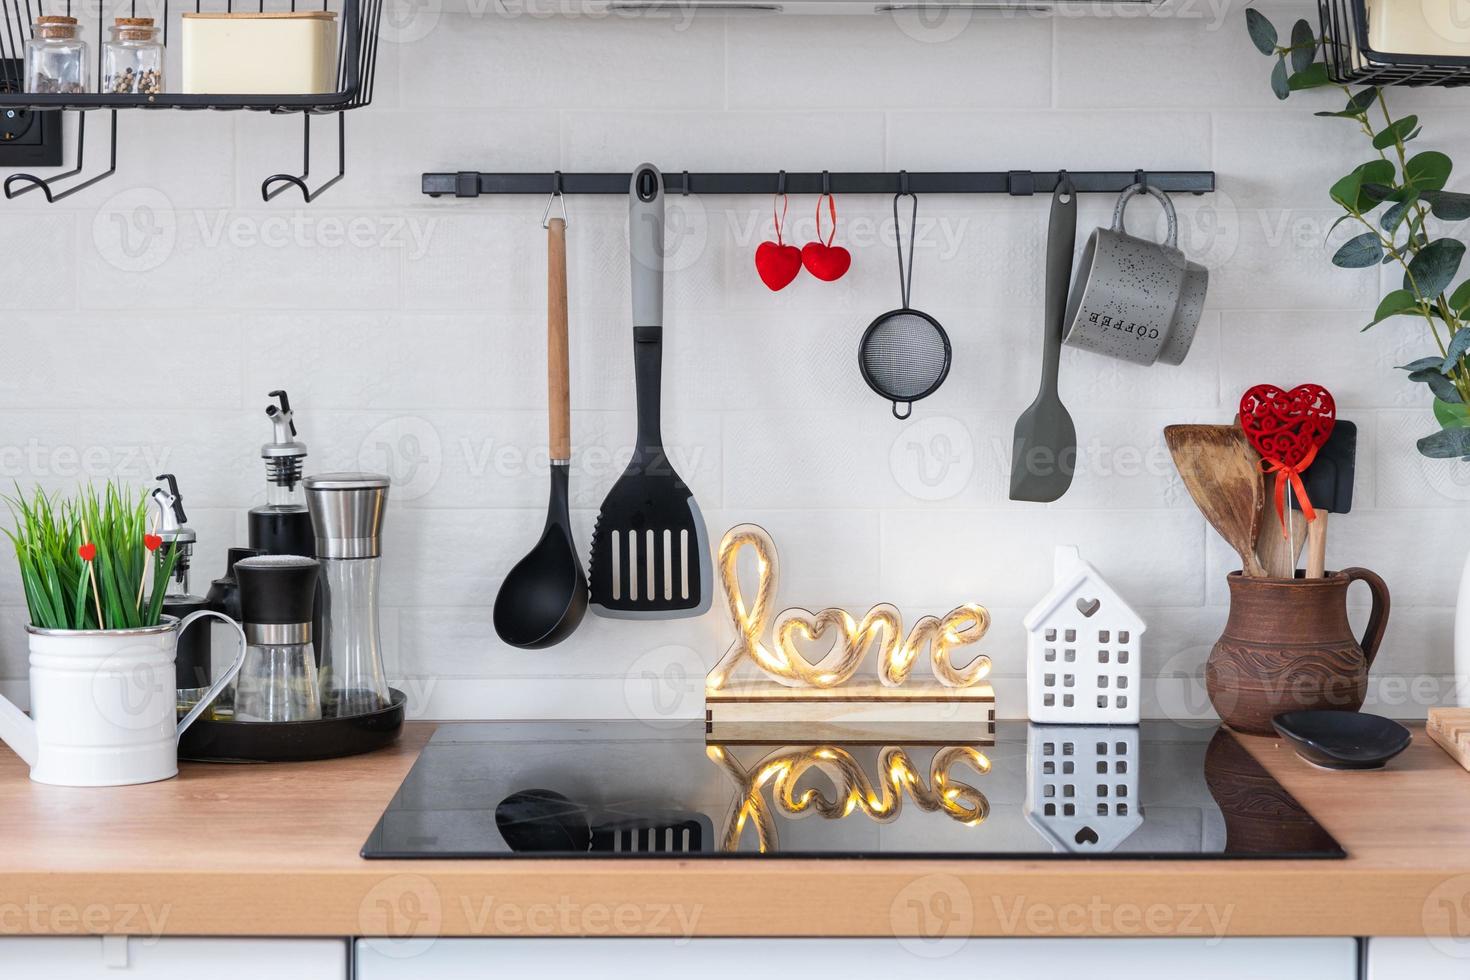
(132, 62)
(56, 58)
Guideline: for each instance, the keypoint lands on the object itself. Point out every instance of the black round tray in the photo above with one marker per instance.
(293, 741)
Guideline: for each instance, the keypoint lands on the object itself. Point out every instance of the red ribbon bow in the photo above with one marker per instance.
(1286, 473)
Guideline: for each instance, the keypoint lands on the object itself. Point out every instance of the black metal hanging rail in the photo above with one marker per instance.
(1018, 183)
(357, 56)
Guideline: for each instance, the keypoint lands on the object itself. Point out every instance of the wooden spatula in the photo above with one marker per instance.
(1278, 556)
(1220, 473)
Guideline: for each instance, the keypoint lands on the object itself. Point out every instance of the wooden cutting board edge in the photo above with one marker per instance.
(1450, 730)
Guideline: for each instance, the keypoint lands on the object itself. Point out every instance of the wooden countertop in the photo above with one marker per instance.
(273, 850)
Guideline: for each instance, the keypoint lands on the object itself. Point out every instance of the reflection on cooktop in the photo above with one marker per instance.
(628, 788)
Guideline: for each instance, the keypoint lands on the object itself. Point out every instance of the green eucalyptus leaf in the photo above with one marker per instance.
(1428, 171)
(1422, 364)
(1459, 344)
(1304, 48)
(1432, 269)
(1262, 31)
(1460, 298)
(1394, 132)
(1451, 416)
(1443, 388)
(1312, 76)
(1446, 444)
(1394, 216)
(1279, 82)
(1448, 205)
(1363, 101)
(1395, 303)
(1360, 252)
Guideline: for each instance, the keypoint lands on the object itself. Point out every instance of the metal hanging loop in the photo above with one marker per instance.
(267, 192)
(557, 196)
(47, 184)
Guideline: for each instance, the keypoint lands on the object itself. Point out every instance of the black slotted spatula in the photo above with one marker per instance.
(650, 551)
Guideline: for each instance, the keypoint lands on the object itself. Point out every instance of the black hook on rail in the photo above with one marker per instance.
(46, 184)
(287, 180)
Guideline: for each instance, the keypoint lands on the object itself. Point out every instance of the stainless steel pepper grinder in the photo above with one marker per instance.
(347, 511)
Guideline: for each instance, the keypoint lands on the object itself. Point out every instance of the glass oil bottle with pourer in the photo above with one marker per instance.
(347, 511)
(282, 525)
(192, 659)
(278, 681)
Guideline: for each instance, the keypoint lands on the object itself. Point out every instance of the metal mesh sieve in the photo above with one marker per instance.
(904, 354)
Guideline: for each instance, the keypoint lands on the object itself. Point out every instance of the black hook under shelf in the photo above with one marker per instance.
(46, 184)
(1017, 183)
(287, 180)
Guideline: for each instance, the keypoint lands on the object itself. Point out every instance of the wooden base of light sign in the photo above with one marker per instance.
(920, 714)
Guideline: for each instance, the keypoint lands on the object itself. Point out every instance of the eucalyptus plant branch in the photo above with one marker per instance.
(1411, 190)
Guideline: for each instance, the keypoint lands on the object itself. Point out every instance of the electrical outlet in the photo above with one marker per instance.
(27, 139)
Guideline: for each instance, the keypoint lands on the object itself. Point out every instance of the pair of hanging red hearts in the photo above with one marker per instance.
(778, 264)
(1288, 428)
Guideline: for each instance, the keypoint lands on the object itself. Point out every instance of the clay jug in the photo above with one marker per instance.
(1288, 646)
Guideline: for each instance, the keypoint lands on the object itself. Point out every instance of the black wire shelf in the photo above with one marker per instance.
(1352, 59)
(357, 55)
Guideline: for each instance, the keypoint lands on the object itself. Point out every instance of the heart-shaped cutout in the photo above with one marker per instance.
(1088, 607)
(777, 264)
(152, 542)
(88, 551)
(827, 262)
(1287, 426)
(839, 661)
(1085, 836)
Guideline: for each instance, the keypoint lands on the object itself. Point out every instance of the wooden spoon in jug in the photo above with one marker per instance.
(1220, 472)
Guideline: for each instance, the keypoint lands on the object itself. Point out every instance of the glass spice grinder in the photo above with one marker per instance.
(278, 681)
(347, 511)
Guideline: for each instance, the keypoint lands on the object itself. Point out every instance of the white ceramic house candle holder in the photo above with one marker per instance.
(1082, 786)
(1083, 647)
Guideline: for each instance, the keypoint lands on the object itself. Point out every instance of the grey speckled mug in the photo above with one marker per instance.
(1134, 299)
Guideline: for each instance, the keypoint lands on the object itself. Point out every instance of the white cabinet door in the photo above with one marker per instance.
(1416, 958)
(170, 958)
(741, 959)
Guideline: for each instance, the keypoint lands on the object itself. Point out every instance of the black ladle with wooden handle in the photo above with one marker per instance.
(543, 599)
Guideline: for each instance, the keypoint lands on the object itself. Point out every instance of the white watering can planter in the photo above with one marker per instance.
(104, 704)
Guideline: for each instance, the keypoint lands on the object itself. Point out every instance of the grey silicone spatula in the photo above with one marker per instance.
(650, 551)
(1044, 454)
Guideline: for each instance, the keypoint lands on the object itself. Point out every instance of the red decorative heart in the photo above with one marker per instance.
(152, 541)
(827, 262)
(88, 551)
(777, 264)
(1287, 426)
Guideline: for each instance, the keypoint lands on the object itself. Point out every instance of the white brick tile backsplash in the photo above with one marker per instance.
(410, 332)
(893, 65)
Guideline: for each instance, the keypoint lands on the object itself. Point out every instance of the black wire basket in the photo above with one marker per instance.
(357, 56)
(1351, 58)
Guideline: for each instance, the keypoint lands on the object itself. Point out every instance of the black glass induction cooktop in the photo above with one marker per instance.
(635, 789)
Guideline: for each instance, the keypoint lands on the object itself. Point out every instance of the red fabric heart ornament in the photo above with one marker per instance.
(1288, 428)
(152, 541)
(827, 262)
(88, 551)
(822, 259)
(777, 264)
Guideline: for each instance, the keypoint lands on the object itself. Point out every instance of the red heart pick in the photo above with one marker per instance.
(88, 551)
(152, 541)
(827, 262)
(777, 264)
(1287, 427)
